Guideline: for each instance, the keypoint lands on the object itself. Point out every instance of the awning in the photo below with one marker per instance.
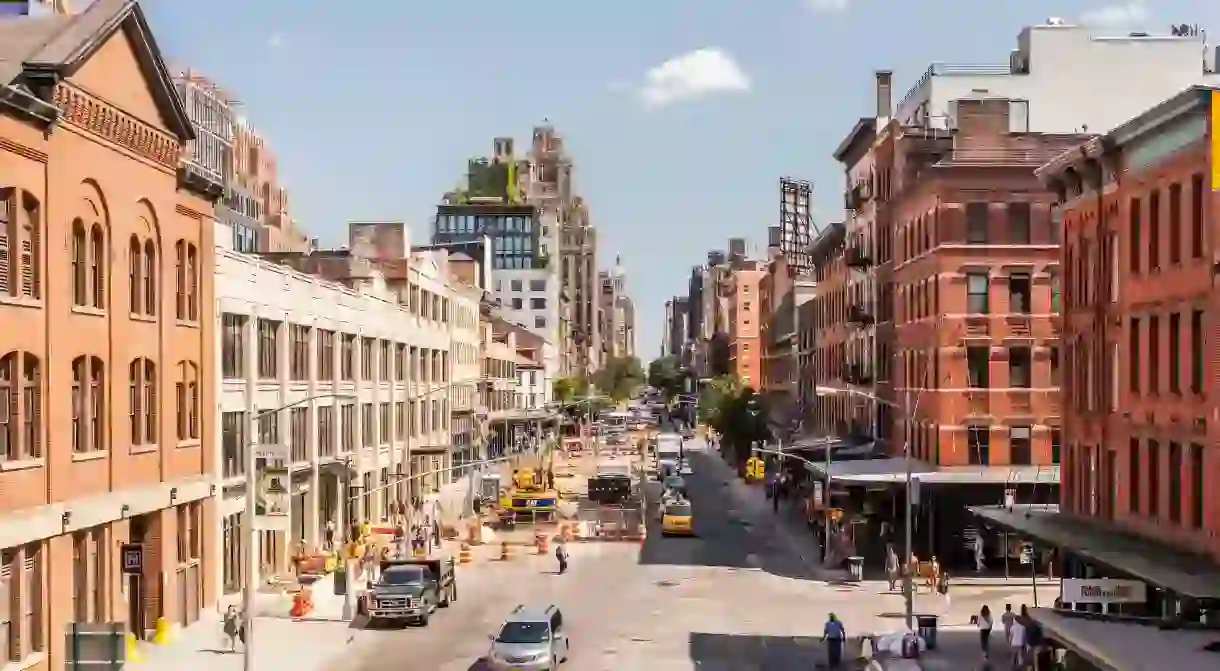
(1127, 646)
(894, 471)
(1143, 558)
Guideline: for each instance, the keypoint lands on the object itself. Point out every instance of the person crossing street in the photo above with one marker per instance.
(561, 554)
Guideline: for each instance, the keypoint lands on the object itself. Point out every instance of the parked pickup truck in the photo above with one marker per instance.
(411, 589)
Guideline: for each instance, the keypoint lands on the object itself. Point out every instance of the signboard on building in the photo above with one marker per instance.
(1102, 590)
(274, 488)
(133, 558)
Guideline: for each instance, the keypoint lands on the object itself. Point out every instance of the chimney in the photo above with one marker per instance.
(885, 95)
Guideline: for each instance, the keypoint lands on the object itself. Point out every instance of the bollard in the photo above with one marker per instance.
(540, 543)
(505, 552)
(464, 554)
(161, 632)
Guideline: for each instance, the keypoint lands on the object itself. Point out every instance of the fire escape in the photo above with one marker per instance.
(859, 365)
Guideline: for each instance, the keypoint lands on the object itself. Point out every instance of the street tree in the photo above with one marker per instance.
(666, 375)
(620, 377)
(568, 389)
(737, 413)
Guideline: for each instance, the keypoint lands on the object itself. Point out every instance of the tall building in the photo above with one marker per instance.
(678, 309)
(93, 213)
(255, 192)
(1140, 464)
(617, 313)
(745, 347)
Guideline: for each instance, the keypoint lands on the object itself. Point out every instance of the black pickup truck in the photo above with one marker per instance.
(411, 589)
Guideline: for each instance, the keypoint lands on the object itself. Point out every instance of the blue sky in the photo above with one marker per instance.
(374, 107)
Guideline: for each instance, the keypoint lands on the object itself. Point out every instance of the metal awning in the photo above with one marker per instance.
(1142, 558)
(894, 471)
(1127, 646)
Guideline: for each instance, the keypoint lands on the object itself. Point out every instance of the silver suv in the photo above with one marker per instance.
(531, 639)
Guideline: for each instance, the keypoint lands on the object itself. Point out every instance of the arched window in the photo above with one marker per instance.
(180, 279)
(20, 407)
(79, 261)
(97, 266)
(151, 275)
(88, 404)
(143, 401)
(192, 283)
(187, 389)
(135, 253)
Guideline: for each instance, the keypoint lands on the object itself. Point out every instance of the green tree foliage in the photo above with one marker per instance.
(667, 375)
(620, 377)
(568, 389)
(737, 413)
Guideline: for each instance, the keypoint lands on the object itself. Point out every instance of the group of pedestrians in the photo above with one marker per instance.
(1024, 635)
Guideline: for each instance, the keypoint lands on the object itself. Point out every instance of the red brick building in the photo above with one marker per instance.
(1140, 325)
(975, 263)
(832, 415)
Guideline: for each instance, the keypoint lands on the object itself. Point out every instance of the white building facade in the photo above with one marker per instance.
(360, 370)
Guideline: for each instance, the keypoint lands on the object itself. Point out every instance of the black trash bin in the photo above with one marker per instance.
(927, 630)
(855, 566)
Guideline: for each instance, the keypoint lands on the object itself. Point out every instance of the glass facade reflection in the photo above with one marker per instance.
(513, 233)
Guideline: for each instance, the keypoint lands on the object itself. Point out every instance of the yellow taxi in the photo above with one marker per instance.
(676, 519)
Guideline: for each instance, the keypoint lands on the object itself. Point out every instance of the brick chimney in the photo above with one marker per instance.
(885, 94)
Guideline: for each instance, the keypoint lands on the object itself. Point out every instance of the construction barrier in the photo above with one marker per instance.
(161, 631)
(540, 543)
(465, 556)
(506, 552)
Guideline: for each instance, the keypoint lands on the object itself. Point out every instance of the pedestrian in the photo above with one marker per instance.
(1007, 620)
(400, 537)
(329, 534)
(891, 566)
(942, 583)
(834, 635)
(231, 626)
(561, 554)
(1016, 641)
(980, 553)
(984, 623)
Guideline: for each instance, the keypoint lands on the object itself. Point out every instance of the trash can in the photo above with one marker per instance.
(855, 566)
(927, 630)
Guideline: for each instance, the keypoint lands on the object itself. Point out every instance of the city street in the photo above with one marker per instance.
(739, 596)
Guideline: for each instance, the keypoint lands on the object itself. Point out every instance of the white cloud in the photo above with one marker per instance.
(1117, 16)
(693, 75)
(276, 41)
(827, 5)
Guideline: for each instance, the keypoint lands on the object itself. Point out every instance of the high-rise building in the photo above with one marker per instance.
(617, 313)
(106, 278)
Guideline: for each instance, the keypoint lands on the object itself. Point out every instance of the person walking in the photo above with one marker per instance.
(891, 566)
(231, 626)
(561, 554)
(834, 636)
(980, 553)
(985, 625)
(1007, 620)
(1016, 641)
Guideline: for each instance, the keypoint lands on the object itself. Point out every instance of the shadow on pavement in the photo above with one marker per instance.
(732, 652)
(728, 534)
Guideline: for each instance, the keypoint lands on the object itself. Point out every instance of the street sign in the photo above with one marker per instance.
(133, 558)
(1027, 553)
(271, 452)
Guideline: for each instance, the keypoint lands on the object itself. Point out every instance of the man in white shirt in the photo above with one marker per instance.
(1016, 639)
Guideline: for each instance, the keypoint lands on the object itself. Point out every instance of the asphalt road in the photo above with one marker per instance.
(739, 596)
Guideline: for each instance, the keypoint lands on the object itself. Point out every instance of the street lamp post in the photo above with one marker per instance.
(252, 538)
(908, 593)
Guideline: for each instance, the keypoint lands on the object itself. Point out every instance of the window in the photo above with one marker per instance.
(97, 267)
(1019, 446)
(1056, 450)
(515, 285)
(88, 404)
(1154, 478)
(20, 245)
(1154, 354)
(80, 262)
(9, 564)
(326, 431)
(135, 280)
(1018, 223)
(1133, 354)
(366, 358)
(383, 423)
(976, 223)
(151, 275)
(347, 357)
(20, 407)
(1197, 486)
(268, 427)
(1175, 483)
(537, 303)
(537, 285)
(1175, 223)
(366, 425)
(1196, 216)
(326, 355)
(1196, 351)
(347, 427)
(268, 349)
(385, 360)
(298, 353)
(978, 442)
(400, 362)
(233, 346)
(142, 375)
(1154, 230)
(517, 303)
(187, 389)
(539, 322)
(1020, 294)
(400, 420)
(977, 290)
(298, 434)
(1020, 367)
(89, 576)
(186, 281)
(978, 362)
(1134, 472)
(233, 439)
(1175, 353)
(1054, 357)
(1134, 249)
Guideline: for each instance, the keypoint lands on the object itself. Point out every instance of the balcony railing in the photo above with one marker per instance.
(855, 374)
(861, 315)
(977, 327)
(857, 258)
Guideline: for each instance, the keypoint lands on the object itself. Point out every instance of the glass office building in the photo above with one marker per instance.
(512, 229)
